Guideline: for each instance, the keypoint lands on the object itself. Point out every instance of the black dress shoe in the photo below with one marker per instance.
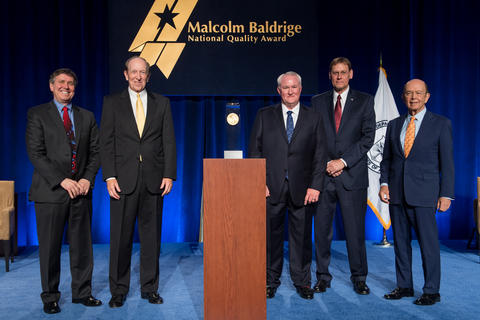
(271, 292)
(427, 299)
(305, 292)
(399, 293)
(152, 297)
(321, 286)
(116, 301)
(89, 301)
(361, 287)
(51, 307)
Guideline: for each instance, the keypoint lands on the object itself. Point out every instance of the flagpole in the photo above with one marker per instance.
(384, 243)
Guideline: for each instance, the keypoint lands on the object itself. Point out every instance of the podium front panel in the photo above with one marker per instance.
(234, 239)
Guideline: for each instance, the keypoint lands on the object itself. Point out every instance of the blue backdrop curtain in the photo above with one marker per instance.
(437, 41)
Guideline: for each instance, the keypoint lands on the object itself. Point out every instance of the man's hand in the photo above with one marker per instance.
(113, 188)
(267, 193)
(166, 185)
(335, 167)
(336, 174)
(72, 187)
(443, 204)
(384, 194)
(84, 186)
(311, 196)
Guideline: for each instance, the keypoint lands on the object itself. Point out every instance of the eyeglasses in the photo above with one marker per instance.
(339, 73)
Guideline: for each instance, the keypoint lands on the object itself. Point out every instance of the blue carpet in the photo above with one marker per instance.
(181, 286)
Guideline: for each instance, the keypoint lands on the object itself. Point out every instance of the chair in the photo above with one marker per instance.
(7, 219)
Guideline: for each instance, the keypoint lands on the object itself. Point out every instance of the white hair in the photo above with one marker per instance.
(289, 73)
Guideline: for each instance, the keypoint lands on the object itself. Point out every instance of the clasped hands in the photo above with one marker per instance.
(75, 188)
(335, 167)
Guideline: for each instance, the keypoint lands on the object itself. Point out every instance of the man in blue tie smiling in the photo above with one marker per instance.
(291, 139)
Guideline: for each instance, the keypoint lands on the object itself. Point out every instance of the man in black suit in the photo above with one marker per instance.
(290, 137)
(62, 144)
(138, 156)
(417, 177)
(349, 120)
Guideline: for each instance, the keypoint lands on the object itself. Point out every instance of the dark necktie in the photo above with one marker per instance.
(338, 113)
(67, 124)
(289, 125)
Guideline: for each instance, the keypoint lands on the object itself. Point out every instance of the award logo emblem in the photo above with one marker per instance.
(157, 38)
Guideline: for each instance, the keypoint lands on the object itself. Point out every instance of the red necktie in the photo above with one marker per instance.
(338, 113)
(67, 124)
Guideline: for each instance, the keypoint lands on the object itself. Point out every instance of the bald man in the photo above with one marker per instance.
(417, 179)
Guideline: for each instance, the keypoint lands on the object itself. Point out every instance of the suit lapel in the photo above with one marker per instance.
(425, 127)
(126, 112)
(151, 109)
(331, 116)
(300, 122)
(347, 109)
(56, 120)
(77, 120)
(280, 122)
(397, 134)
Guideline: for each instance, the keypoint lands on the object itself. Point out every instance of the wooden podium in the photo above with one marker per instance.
(234, 239)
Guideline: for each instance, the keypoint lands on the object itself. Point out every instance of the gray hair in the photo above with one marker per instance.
(135, 57)
(289, 73)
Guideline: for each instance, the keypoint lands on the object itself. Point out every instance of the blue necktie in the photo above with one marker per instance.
(289, 125)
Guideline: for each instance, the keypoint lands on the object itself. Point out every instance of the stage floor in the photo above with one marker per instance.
(181, 286)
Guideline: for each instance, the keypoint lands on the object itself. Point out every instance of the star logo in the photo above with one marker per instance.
(166, 17)
(157, 38)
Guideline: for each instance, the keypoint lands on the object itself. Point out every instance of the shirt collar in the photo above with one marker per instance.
(132, 93)
(294, 110)
(419, 116)
(60, 106)
(344, 95)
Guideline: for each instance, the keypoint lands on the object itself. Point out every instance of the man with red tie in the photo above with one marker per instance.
(349, 120)
(62, 144)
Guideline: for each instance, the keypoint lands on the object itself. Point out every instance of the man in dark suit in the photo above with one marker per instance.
(417, 178)
(138, 158)
(349, 120)
(290, 137)
(62, 144)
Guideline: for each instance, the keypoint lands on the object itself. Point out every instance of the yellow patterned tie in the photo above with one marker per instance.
(409, 136)
(140, 115)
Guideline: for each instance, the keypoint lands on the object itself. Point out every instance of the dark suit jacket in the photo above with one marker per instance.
(355, 134)
(121, 145)
(428, 173)
(304, 157)
(49, 151)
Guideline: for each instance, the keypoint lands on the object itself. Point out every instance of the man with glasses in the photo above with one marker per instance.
(349, 120)
(417, 178)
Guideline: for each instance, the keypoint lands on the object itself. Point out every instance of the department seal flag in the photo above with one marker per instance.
(385, 110)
